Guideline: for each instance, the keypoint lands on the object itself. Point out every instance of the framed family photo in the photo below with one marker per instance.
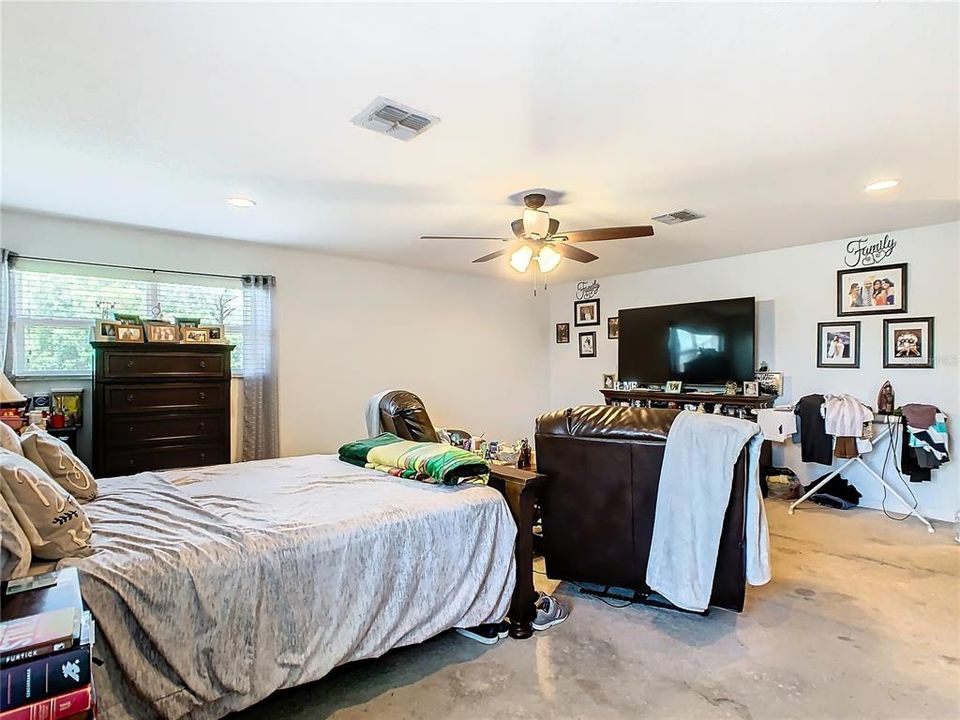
(586, 312)
(613, 327)
(878, 290)
(908, 343)
(563, 333)
(588, 344)
(838, 344)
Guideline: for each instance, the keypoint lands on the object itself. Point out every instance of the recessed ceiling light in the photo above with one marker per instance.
(241, 202)
(881, 185)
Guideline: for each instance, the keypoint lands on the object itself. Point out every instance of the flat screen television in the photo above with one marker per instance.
(705, 343)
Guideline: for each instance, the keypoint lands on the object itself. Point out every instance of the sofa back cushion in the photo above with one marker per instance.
(610, 422)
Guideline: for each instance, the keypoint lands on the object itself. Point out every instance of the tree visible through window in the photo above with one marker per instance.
(54, 315)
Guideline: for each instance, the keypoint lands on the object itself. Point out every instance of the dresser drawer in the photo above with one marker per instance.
(169, 397)
(164, 457)
(119, 365)
(167, 429)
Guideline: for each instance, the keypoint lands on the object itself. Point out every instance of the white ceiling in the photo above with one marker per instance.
(768, 118)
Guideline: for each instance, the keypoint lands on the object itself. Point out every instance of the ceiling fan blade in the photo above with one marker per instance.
(611, 233)
(463, 237)
(491, 256)
(573, 253)
(554, 226)
(517, 227)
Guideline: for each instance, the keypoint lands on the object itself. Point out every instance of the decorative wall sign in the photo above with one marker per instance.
(866, 252)
(881, 290)
(771, 383)
(587, 289)
(586, 312)
(838, 344)
(908, 343)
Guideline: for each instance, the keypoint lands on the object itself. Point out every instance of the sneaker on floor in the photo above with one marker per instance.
(549, 613)
(488, 634)
(503, 629)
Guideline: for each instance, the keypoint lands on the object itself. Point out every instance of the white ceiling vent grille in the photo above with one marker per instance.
(679, 216)
(389, 117)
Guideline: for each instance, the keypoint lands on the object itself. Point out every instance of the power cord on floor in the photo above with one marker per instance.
(891, 454)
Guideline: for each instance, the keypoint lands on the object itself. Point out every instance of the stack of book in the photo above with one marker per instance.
(46, 638)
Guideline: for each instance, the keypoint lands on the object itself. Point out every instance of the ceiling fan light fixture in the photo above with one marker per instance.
(881, 185)
(241, 202)
(536, 223)
(520, 259)
(548, 259)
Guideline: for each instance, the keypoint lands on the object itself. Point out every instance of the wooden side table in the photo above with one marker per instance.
(522, 490)
(67, 434)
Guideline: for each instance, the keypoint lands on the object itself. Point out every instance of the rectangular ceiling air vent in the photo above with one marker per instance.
(389, 117)
(679, 216)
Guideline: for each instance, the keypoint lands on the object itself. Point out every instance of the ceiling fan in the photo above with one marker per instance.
(536, 238)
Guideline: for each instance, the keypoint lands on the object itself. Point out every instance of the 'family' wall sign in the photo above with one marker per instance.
(864, 252)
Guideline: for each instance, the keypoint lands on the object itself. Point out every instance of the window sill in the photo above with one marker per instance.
(41, 377)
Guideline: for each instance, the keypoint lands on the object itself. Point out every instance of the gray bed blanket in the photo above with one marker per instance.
(214, 587)
(695, 485)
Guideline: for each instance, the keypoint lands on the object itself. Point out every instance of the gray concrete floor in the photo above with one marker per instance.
(862, 620)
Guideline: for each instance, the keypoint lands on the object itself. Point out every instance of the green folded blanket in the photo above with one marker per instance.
(429, 462)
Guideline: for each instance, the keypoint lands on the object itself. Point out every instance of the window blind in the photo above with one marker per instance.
(56, 304)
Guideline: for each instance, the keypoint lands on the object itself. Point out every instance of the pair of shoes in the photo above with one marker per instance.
(488, 634)
(549, 613)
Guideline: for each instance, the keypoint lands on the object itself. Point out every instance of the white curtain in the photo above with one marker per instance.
(259, 419)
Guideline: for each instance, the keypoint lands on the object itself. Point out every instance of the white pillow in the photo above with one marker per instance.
(57, 460)
(15, 555)
(51, 519)
(9, 440)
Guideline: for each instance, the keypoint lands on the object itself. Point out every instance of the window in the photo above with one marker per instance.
(54, 313)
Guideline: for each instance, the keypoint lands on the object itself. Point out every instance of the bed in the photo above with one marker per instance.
(214, 587)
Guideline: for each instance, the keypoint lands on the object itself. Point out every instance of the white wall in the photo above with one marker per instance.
(473, 348)
(795, 289)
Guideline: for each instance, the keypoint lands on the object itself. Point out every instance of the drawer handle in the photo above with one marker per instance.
(203, 363)
(130, 363)
(130, 429)
(203, 456)
(131, 462)
(203, 426)
(130, 397)
(203, 396)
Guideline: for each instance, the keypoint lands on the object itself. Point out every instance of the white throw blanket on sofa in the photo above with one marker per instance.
(695, 484)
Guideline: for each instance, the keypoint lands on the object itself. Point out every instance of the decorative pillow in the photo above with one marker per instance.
(57, 460)
(15, 555)
(9, 440)
(51, 519)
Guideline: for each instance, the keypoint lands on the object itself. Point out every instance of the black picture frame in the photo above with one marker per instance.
(613, 328)
(855, 350)
(905, 365)
(593, 344)
(583, 303)
(844, 291)
(563, 333)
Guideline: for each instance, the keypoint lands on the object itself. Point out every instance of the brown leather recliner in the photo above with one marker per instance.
(403, 414)
(603, 465)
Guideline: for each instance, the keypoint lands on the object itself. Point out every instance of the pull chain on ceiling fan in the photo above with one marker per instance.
(536, 239)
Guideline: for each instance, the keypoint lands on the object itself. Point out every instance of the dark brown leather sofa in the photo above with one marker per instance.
(603, 465)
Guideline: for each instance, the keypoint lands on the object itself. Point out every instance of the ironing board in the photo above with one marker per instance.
(886, 424)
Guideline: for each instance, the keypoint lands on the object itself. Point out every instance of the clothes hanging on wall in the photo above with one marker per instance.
(815, 445)
(924, 447)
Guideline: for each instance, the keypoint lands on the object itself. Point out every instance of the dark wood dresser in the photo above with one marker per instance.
(158, 406)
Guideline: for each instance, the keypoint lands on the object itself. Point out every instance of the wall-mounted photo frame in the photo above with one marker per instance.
(106, 330)
(586, 312)
(588, 344)
(563, 333)
(613, 327)
(838, 344)
(908, 343)
(877, 290)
